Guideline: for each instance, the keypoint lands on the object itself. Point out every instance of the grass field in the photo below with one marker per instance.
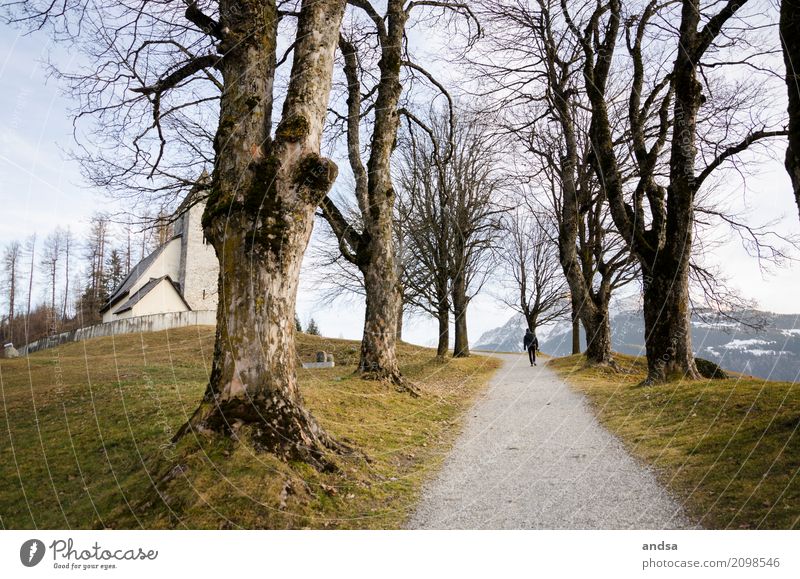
(730, 449)
(84, 434)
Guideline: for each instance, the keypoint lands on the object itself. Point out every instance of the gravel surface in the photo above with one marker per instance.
(533, 456)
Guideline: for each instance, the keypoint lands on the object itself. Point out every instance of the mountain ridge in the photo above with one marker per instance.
(769, 350)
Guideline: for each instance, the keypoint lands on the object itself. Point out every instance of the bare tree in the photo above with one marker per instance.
(423, 214)
(69, 241)
(790, 41)
(449, 216)
(533, 68)
(473, 181)
(529, 265)
(52, 252)
(172, 69)
(12, 254)
(30, 250)
(369, 244)
(661, 240)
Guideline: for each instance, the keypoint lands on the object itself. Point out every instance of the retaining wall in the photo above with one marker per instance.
(151, 323)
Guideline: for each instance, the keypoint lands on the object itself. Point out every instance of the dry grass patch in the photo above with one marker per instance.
(729, 448)
(85, 428)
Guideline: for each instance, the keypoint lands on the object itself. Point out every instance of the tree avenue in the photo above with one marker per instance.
(544, 113)
(370, 243)
(661, 239)
(159, 60)
(581, 156)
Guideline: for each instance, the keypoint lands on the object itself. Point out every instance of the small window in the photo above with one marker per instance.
(204, 294)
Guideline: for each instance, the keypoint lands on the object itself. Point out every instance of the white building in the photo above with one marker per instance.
(179, 276)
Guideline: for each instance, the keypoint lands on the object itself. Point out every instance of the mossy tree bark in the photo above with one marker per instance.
(372, 248)
(443, 319)
(259, 218)
(460, 303)
(583, 242)
(663, 248)
(790, 40)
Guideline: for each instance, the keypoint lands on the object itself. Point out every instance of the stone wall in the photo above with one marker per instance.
(152, 323)
(199, 265)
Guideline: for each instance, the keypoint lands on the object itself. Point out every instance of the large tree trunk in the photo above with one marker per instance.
(598, 335)
(378, 354)
(576, 327)
(667, 324)
(373, 249)
(589, 307)
(668, 335)
(378, 357)
(259, 218)
(460, 303)
(253, 379)
(443, 317)
(461, 342)
(790, 40)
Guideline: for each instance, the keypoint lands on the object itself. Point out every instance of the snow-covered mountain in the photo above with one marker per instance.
(772, 352)
(508, 337)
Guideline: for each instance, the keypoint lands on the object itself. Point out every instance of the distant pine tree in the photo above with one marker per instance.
(312, 328)
(114, 272)
(297, 325)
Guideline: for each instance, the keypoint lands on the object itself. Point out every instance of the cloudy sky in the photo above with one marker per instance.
(41, 189)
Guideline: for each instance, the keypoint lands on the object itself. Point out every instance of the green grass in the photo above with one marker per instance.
(730, 449)
(85, 428)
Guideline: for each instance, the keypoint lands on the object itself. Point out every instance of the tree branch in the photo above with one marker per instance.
(735, 150)
(367, 7)
(173, 79)
(348, 238)
(202, 21)
(713, 27)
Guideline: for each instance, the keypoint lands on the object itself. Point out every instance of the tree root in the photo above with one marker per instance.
(406, 386)
(659, 377)
(648, 382)
(272, 425)
(395, 378)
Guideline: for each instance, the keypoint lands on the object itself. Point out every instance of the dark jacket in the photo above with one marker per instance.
(530, 341)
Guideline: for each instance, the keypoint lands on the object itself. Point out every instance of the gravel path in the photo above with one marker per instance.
(532, 456)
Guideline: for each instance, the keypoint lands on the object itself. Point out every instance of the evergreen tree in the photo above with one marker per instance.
(312, 329)
(115, 271)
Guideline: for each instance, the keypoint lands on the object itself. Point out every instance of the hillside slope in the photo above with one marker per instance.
(729, 449)
(85, 431)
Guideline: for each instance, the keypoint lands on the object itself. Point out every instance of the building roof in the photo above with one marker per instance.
(137, 271)
(146, 289)
(197, 194)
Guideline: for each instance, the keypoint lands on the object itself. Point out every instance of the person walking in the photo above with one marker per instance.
(531, 343)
